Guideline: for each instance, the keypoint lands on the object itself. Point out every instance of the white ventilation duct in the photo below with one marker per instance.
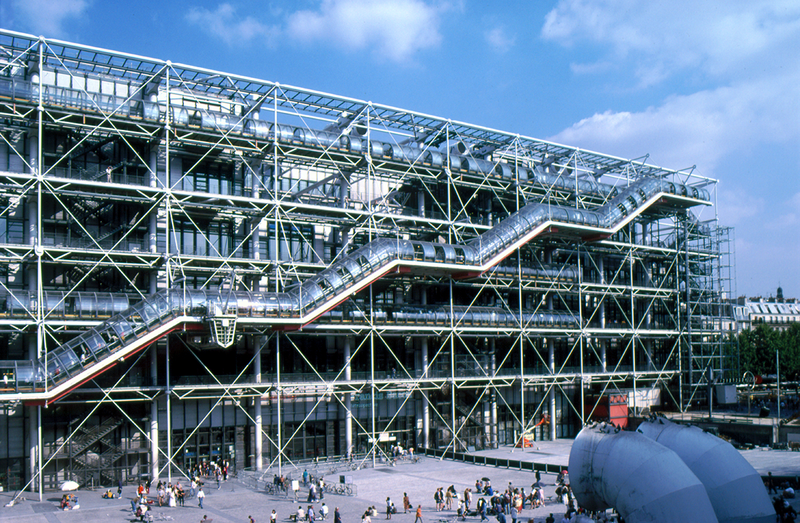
(735, 489)
(642, 479)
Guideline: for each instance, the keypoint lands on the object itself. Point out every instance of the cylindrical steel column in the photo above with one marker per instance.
(426, 416)
(154, 472)
(348, 400)
(258, 428)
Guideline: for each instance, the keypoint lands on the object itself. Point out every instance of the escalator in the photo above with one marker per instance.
(63, 369)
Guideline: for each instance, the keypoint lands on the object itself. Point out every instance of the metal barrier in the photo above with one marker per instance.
(479, 459)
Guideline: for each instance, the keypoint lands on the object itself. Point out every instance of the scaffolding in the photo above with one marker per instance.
(203, 266)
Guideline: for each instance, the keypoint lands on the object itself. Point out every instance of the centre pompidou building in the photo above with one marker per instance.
(200, 265)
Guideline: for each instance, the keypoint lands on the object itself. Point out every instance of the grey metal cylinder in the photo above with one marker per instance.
(734, 488)
(642, 480)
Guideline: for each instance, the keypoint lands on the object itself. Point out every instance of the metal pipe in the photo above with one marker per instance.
(643, 480)
(735, 490)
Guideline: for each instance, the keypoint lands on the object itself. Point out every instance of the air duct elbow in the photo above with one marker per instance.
(734, 488)
(643, 480)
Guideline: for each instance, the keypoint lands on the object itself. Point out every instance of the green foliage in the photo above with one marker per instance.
(757, 348)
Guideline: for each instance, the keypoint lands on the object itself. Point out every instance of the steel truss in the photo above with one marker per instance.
(121, 176)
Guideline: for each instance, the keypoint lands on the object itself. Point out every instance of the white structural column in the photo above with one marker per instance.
(426, 416)
(168, 401)
(35, 346)
(348, 399)
(487, 401)
(603, 342)
(423, 349)
(257, 421)
(153, 418)
(493, 361)
(551, 356)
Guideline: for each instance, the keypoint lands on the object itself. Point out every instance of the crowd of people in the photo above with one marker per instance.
(168, 494)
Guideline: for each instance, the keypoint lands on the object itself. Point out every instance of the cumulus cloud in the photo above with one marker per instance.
(396, 30)
(225, 24)
(47, 17)
(700, 128)
(499, 39)
(744, 111)
(657, 39)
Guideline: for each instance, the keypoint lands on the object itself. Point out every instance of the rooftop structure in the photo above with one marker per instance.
(200, 265)
(777, 312)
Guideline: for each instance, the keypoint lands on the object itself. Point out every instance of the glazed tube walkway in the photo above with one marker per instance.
(70, 365)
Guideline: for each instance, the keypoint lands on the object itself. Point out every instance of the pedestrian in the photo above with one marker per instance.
(273, 518)
(205, 518)
(550, 519)
(305, 478)
(310, 514)
(200, 497)
(119, 489)
(513, 514)
(419, 515)
(250, 519)
(406, 503)
(771, 484)
(501, 517)
(337, 516)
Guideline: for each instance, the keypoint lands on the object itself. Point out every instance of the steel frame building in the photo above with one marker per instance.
(201, 265)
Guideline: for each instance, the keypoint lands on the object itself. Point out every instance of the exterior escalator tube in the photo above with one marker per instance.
(734, 487)
(643, 480)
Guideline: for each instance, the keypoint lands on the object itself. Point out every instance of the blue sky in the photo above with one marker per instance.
(715, 85)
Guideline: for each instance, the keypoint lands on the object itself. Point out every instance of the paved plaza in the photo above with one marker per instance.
(234, 501)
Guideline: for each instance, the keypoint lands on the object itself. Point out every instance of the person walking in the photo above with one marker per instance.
(419, 515)
(406, 503)
(273, 518)
(337, 516)
(200, 497)
(388, 508)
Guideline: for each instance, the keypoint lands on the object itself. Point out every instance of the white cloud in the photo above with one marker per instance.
(46, 17)
(499, 39)
(658, 39)
(700, 128)
(396, 30)
(393, 30)
(225, 24)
